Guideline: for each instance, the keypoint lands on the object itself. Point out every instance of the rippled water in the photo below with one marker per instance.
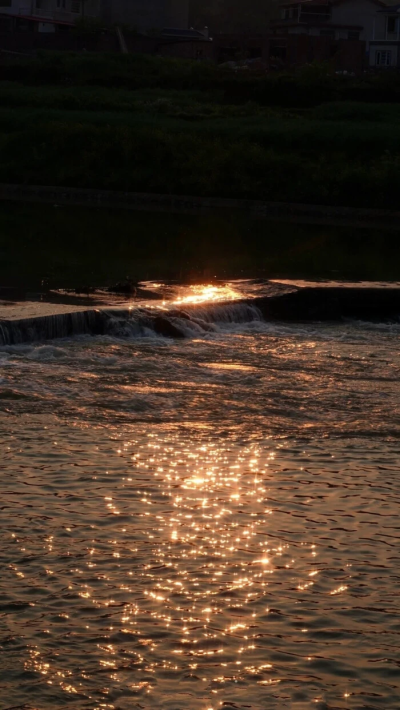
(209, 523)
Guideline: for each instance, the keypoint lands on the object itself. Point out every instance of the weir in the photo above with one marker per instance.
(126, 322)
(302, 304)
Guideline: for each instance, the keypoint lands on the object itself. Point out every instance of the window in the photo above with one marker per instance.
(291, 13)
(61, 4)
(392, 24)
(39, 4)
(383, 58)
(353, 35)
(5, 3)
(75, 6)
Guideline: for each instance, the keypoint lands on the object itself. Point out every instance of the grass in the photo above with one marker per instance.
(191, 137)
(358, 112)
(151, 158)
(82, 98)
(311, 85)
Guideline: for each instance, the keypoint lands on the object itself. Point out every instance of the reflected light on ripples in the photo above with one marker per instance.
(189, 580)
(211, 556)
(208, 293)
(163, 557)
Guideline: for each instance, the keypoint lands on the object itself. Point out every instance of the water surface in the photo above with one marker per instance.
(209, 523)
(54, 246)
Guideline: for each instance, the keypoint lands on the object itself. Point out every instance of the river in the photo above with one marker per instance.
(204, 523)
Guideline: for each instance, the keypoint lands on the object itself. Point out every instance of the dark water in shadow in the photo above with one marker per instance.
(75, 246)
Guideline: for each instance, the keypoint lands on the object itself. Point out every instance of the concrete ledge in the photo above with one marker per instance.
(186, 204)
(301, 305)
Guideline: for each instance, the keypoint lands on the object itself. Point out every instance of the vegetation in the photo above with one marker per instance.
(312, 85)
(140, 123)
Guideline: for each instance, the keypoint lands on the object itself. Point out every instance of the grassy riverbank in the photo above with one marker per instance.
(195, 135)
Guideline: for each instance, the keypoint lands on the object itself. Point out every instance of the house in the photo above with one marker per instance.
(145, 15)
(44, 16)
(335, 19)
(49, 16)
(384, 45)
(361, 33)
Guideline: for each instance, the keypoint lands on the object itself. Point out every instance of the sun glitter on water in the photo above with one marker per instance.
(206, 293)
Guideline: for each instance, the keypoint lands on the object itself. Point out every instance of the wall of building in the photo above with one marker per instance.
(187, 50)
(297, 50)
(161, 46)
(384, 47)
(362, 13)
(147, 14)
(31, 42)
(49, 9)
(233, 47)
(347, 17)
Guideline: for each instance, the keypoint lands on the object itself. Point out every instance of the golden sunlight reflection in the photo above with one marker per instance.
(185, 544)
(199, 599)
(181, 579)
(208, 293)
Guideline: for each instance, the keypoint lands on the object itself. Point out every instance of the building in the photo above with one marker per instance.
(182, 44)
(384, 45)
(347, 24)
(241, 46)
(44, 16)
(52, 15)
(147, 15)
(291, 51)
(335, 19)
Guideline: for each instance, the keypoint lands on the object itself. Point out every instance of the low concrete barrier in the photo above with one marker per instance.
(300, 305)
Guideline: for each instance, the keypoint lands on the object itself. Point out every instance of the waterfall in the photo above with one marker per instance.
(188, 320)
(24, 330)
(122, 322)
